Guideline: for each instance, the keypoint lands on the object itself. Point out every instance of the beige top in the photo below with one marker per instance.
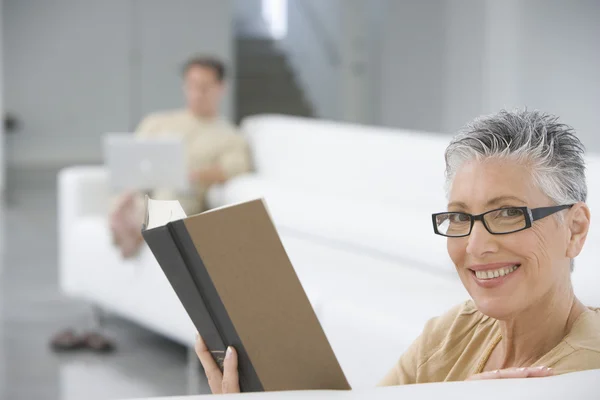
(207, 142)
(456, 345)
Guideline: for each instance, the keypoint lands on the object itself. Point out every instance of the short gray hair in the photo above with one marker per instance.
(551, 148)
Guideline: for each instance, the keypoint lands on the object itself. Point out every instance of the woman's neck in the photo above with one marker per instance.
(537, 329)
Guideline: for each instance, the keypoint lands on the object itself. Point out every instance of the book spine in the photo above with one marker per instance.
(223, 326)
(167, 251)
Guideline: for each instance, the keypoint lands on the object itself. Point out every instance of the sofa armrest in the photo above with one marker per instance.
(82, 191)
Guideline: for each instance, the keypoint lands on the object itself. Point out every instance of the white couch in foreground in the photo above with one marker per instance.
(352, 205)
(584, 385)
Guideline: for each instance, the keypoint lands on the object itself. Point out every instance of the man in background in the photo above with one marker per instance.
(214, 150)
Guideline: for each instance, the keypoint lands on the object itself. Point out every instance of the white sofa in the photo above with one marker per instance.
(352, 205)
(583, 385)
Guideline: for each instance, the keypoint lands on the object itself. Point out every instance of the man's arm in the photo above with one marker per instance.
(234, 161)
(213, 175)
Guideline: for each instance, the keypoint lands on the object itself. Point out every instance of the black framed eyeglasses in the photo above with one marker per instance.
(500, 221)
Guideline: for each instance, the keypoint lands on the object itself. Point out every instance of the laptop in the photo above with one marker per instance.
(144, 164)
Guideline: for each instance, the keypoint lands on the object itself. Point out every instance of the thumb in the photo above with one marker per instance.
(231, 382)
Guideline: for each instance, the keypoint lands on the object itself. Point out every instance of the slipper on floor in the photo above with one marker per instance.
(67, 340)
(98, 343)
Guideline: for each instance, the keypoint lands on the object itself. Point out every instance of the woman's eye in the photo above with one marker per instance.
(456, 218)
(511, 212)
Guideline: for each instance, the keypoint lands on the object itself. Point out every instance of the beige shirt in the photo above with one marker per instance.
(207, 142)
(457, 345)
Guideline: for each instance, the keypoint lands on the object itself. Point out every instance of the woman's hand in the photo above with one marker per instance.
(513, 373)
(219, 382)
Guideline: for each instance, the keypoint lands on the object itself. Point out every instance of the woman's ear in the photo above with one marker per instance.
(578, 220)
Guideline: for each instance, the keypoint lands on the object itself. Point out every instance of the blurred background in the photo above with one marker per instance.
(74, 69)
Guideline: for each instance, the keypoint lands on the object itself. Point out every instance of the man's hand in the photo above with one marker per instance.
(219, 382)
(208, 176)
(513, 373)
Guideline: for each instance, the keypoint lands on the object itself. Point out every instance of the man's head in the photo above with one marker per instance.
(203, 85)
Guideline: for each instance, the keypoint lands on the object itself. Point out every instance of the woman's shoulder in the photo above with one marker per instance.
(585, 334)
(580, 349)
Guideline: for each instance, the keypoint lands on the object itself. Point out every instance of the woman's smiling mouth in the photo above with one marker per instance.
(491, 275)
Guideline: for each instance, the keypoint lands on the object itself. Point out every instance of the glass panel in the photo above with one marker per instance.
(505, 220)
(453, 224)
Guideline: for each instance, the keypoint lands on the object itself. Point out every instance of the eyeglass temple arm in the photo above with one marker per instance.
(542, 212)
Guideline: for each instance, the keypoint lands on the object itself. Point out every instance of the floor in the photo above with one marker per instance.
(32, 309)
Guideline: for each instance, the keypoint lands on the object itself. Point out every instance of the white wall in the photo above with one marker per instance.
(463, 66)
(66, 69)
(375, 18)
(445, 63)
(313, 48)
(2, 133)
(76, 69)
(247, 9)
(558, 62)
(434, 65)
(169, 32)
(413, 65)
(2, 231)
(330, 44)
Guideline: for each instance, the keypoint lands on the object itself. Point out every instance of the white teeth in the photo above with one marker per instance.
(490, 274)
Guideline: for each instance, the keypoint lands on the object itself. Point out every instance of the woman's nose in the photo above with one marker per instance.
(480, 241)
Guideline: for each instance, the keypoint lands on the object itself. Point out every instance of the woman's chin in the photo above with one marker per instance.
(494, 307)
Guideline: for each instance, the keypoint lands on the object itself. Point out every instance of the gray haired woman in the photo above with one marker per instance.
(515, 221)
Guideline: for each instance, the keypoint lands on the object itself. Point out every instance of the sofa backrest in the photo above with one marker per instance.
(348, 159)
(395, 168)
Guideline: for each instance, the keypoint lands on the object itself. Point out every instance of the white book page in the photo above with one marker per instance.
(161, 212)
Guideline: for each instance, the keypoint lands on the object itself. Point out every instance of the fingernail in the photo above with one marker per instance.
(228, 353)
(522, 369)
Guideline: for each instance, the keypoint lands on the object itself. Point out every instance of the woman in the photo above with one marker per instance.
(516, 219)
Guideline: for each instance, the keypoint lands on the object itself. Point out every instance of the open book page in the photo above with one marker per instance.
(161, 212)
